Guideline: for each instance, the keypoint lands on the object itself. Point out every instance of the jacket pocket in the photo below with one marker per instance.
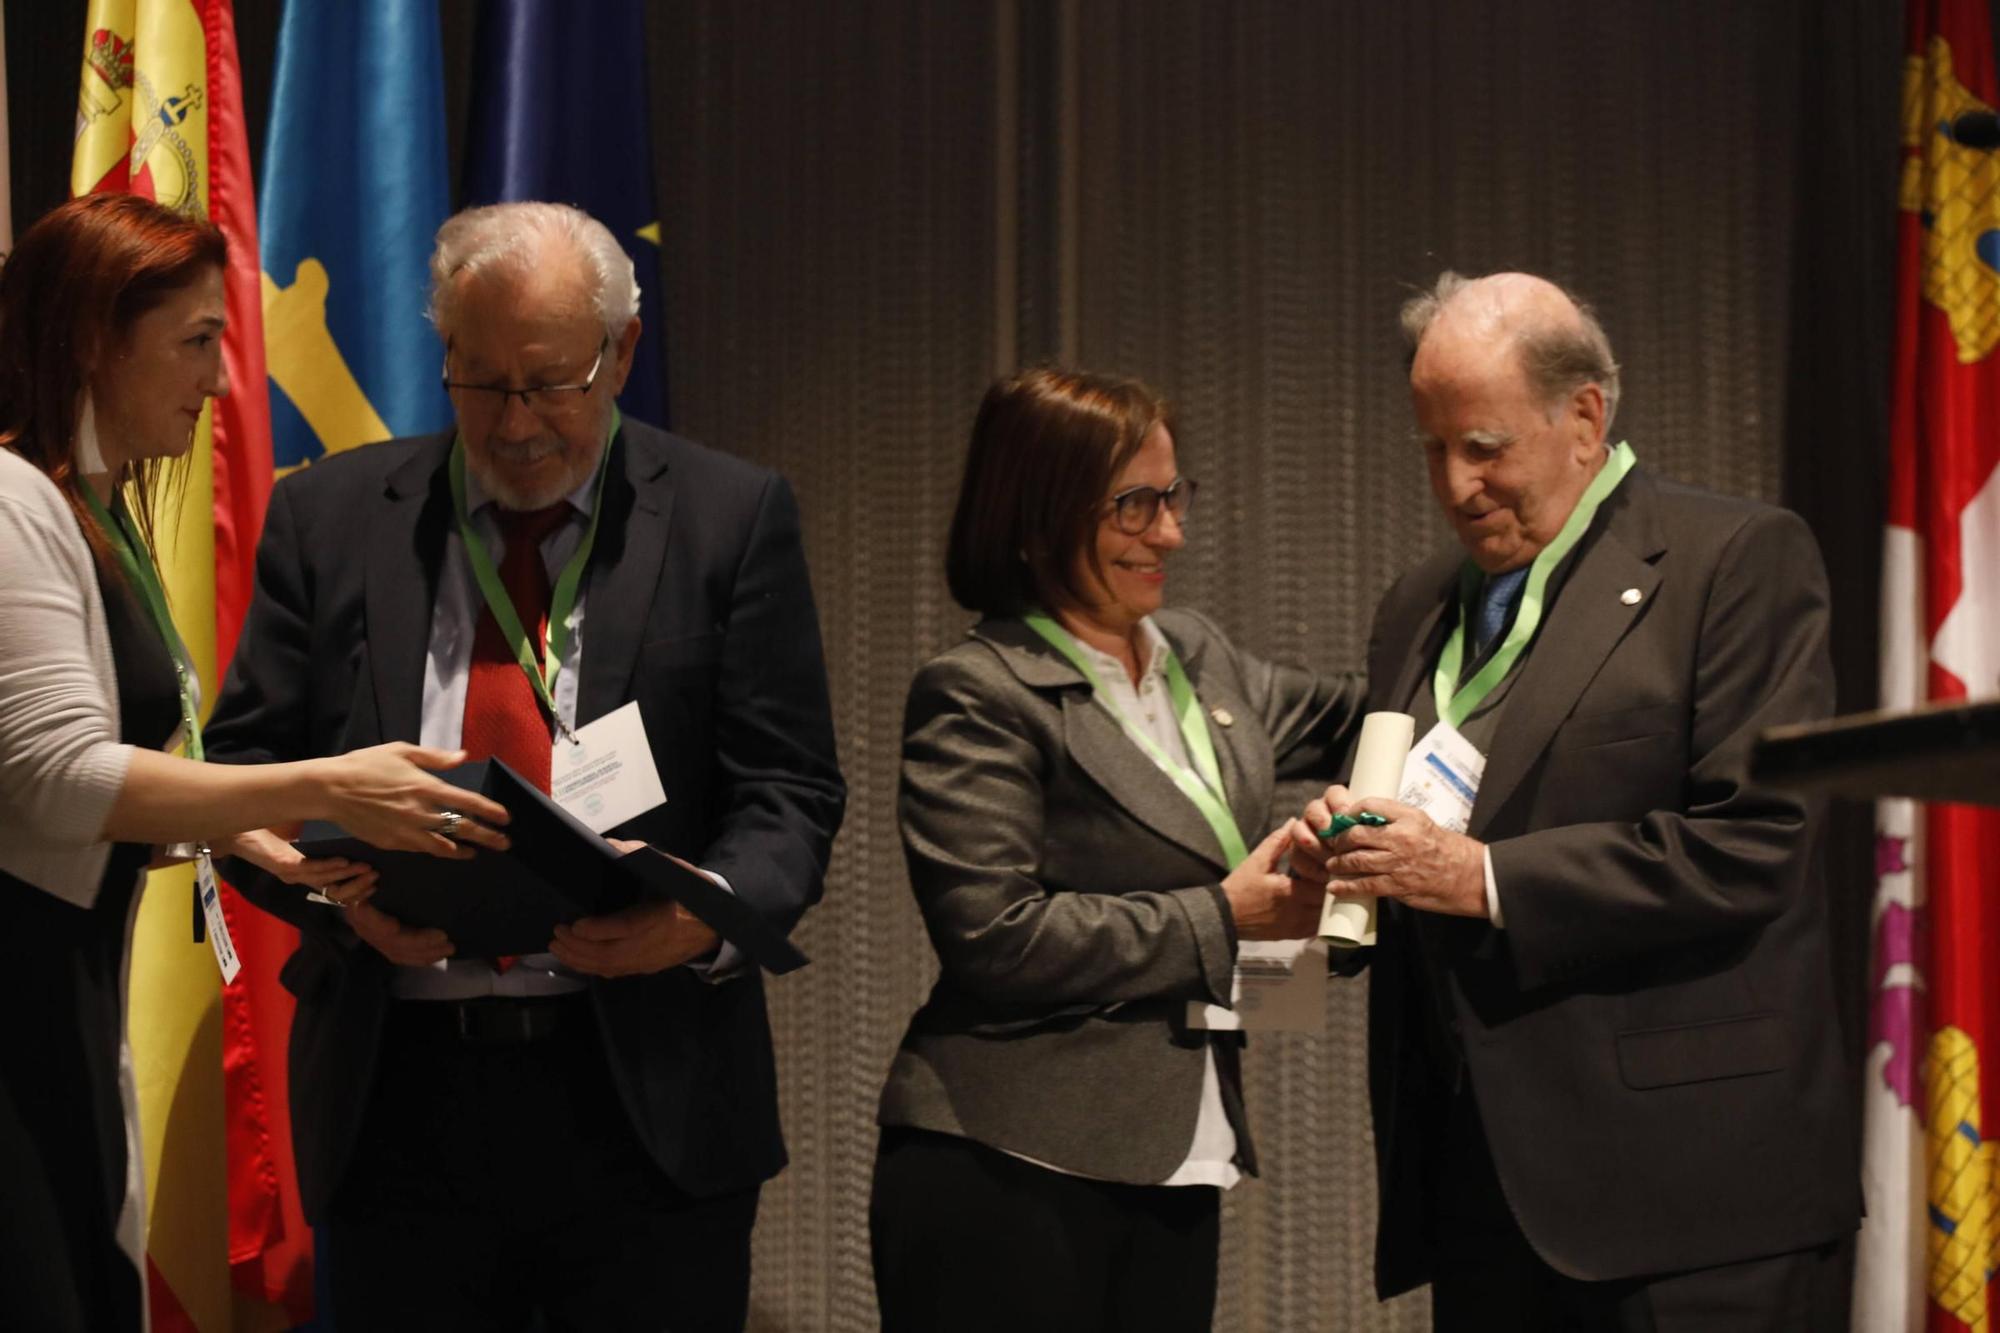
(1621, 724)
(1701, 1052)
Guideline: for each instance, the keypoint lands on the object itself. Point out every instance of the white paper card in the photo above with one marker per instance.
(210, 890)
(1442, 777)
(606, 775)
(1280, 986)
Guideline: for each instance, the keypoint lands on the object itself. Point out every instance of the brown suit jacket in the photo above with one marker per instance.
(1074, 895)
(1652, 1039)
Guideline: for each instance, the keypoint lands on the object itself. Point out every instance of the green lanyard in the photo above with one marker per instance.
(144, 577)
(542, 672)
(1456, 707)
(1204, 788)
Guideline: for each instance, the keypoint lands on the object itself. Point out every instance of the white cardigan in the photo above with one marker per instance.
(61, 763)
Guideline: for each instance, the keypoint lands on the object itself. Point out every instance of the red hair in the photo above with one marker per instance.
(72, 288)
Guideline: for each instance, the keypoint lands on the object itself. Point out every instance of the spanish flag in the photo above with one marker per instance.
(1931, 1243)
(160, 113)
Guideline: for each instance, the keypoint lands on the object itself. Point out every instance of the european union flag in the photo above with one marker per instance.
(559, 113)
(356, 181)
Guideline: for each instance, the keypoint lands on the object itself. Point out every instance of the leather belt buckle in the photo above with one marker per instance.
(510, 1022)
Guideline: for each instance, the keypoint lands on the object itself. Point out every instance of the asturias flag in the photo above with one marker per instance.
(160, 113)
(356, 181)
(1929, 1246)
(530, 141)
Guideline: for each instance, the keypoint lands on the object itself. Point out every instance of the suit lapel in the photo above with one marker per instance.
(1242, 754)
(1592, 612)
(1425, 637)
(625, 571)
(408, 532)
(1098, 745)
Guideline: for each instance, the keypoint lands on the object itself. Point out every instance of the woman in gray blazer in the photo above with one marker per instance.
(1085, 784)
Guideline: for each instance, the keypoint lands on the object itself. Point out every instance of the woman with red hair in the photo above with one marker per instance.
(111, 318)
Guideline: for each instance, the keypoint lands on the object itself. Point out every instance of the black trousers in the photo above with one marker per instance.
(1490, 1279)
(62, 1126)
(971, 1240)
(499, 1179)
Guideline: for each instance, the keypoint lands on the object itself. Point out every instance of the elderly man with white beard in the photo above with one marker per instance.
(583, 1130)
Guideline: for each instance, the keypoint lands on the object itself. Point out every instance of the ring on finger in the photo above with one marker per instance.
(448, 822)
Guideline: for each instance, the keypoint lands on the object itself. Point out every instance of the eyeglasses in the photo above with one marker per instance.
(1137, 509)
(544, 400)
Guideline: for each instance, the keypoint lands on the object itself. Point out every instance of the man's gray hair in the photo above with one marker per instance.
(1559, 357)
(496, 235)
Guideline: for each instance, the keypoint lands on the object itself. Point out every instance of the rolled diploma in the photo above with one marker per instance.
(1347, 921)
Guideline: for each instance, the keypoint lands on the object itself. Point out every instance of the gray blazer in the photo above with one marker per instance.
(1074, 895)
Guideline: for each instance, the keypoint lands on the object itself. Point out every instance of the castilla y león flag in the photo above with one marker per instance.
(1931, 1244)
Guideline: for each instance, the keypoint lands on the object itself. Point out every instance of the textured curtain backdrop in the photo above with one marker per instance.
(827, 239)
(868, 211)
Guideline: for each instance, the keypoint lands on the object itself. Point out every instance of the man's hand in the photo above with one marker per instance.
(647, 937)
(1410, 859)
(1307, 854)
(405, 946)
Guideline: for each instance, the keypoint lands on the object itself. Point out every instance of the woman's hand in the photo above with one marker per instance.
(384, 795)
(1269, 904)
(335, 878)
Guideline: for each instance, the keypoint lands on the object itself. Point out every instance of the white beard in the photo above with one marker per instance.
(508, 495)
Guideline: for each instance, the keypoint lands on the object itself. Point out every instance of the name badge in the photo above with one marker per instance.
(605, 775)
(1441, 777)
(1279, 986)
(210, 890)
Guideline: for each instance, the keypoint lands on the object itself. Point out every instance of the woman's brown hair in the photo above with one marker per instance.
(69, 292)
(1045, 448)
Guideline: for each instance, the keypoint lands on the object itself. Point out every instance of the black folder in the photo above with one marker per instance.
(556, 871)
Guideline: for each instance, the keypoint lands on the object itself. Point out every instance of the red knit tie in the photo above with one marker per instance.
(503, 716)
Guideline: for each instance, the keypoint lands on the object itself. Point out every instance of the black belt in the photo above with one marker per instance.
(495, 1020)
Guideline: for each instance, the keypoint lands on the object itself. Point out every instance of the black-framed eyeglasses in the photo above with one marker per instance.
(546, 400)
(1137, 509)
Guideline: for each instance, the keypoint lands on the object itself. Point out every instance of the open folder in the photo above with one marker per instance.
(556, 871)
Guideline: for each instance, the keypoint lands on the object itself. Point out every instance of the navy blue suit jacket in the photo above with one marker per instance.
(701, 610)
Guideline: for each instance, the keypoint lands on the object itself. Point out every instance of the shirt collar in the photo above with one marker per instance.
(1153, 647)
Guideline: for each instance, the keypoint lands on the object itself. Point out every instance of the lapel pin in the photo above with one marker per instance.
(1630, 596)
(1223, 717)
